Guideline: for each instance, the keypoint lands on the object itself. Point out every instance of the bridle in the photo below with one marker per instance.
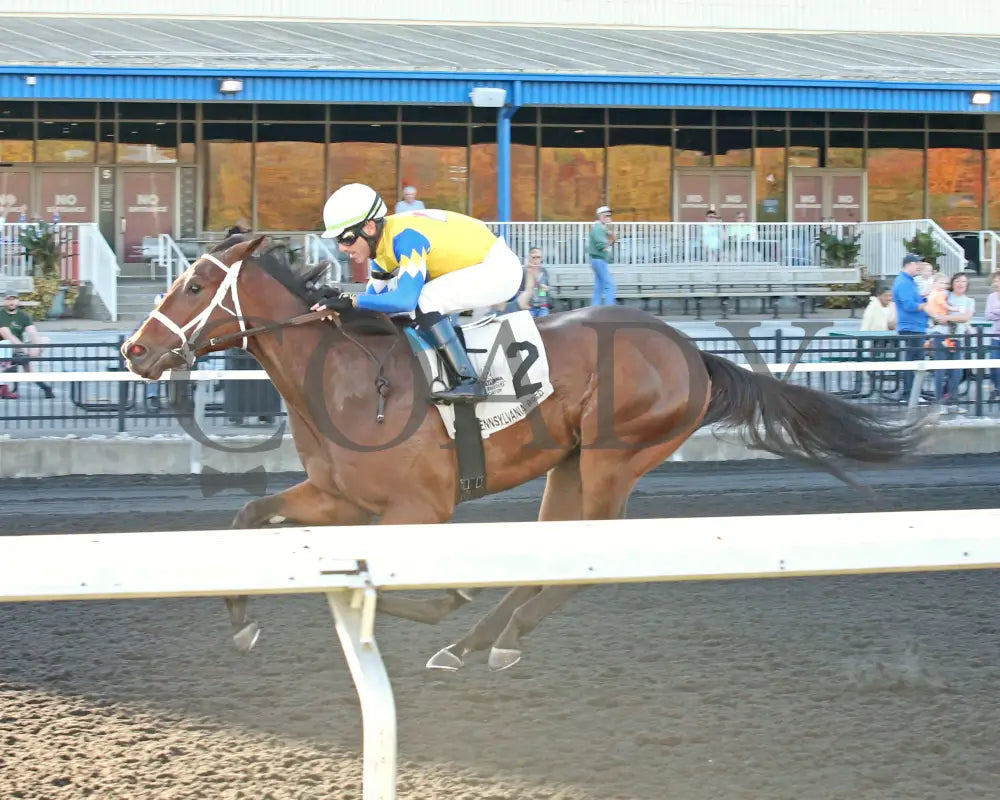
(189, 345)
(187, 350)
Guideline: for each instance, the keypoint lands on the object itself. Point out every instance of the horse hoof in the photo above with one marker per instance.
(501, 659)
(446, 659)
(246, 637)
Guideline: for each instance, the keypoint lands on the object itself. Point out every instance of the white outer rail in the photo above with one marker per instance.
(350, 565)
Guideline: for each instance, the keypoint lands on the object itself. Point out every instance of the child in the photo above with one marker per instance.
(937, 306)
(925, 279)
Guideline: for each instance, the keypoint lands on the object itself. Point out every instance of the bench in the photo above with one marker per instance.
(572, 284)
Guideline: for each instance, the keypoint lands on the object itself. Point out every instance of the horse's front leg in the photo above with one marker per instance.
(302, 504)
(432, 610)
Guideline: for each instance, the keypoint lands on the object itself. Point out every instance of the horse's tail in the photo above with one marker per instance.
(804, 424)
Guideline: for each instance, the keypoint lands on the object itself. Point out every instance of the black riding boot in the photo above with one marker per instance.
(468, 387)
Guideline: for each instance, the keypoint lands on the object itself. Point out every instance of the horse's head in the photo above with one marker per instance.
(204, 302)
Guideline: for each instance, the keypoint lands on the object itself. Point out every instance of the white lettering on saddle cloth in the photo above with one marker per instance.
(510, 355)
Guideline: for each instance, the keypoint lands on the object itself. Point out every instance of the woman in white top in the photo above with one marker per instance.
(881, 312)
(946, 347)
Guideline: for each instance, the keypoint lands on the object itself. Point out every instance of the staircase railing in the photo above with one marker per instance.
(98, 266)
(171, 258)
(318, 251)
(989, 252)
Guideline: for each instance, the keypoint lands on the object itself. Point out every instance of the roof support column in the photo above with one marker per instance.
(504, 116)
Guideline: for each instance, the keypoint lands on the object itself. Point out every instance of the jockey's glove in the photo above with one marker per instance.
(341, 302)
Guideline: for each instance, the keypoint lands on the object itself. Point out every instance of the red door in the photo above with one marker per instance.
(15, 195)
(845, 198)
(694, 193)
(734, 196)
(147, 209)
(807, 198)
(69, 194)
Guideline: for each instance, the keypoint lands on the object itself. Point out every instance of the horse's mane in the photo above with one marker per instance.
(275, 259)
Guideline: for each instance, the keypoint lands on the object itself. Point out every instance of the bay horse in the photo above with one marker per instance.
(628, 390)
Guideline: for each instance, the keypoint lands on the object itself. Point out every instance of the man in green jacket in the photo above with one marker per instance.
(17, 327)
(599, 248)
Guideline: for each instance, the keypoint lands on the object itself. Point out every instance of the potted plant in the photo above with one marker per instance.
(923, 245)
(41, 243)
(842, 252)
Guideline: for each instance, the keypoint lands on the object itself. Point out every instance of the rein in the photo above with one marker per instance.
(190, 345)
(381, 382)
(301, 319)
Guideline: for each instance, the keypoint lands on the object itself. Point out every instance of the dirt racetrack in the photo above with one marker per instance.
(795, 689)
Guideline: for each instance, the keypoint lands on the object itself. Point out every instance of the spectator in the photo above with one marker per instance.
(17, 328)
(241, 226)
(409, 201)
(881, 312)
(993, 315)
(711, 237)
(599, 249)
(951, 324)
(925, 279)
(912, 316)
(742, 236)
(534, 292)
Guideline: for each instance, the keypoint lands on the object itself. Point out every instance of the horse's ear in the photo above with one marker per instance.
(253, 244)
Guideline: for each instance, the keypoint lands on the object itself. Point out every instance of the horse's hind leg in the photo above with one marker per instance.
(606, 483)
(562, 500)
(430, 611)
(302, 504)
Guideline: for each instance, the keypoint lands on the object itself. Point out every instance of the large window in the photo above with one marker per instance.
(289, 176)
(639, 174)
(228, 169)
(17, 140)
(955, 179)
(432, 159)
(769, 175)
(895, 175)
(66, 142)
(524, 173)
(364, 153)
(993, 181)
(571, 172)
(483, 172)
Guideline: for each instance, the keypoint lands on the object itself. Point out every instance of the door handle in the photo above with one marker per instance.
(123, 225)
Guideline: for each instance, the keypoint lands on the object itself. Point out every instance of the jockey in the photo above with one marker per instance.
(427, 263)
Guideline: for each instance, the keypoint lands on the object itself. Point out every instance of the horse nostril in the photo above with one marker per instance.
(136, 350)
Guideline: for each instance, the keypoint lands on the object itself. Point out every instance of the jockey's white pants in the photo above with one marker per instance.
(496, 280)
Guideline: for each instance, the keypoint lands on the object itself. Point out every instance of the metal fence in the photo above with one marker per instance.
(242, 407)
(747, 244)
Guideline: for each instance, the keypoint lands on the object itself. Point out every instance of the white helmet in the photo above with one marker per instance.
(350, 206)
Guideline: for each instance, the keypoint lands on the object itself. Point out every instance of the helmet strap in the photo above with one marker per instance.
(372, 240)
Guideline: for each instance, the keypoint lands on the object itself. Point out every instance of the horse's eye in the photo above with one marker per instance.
(194, 288)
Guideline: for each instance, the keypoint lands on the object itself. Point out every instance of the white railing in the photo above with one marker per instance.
(13, 261)
(883, 246)
(351, 566)
(317, 251)
(171, 258)
(85, 257)
(694, 244)
(99, 267)
(989, 252)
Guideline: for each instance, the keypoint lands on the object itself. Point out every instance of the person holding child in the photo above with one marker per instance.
(953, 321)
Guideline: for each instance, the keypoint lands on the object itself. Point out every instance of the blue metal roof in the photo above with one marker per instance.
(322, 86)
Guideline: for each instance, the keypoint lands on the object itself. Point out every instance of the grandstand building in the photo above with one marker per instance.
(180, 121)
